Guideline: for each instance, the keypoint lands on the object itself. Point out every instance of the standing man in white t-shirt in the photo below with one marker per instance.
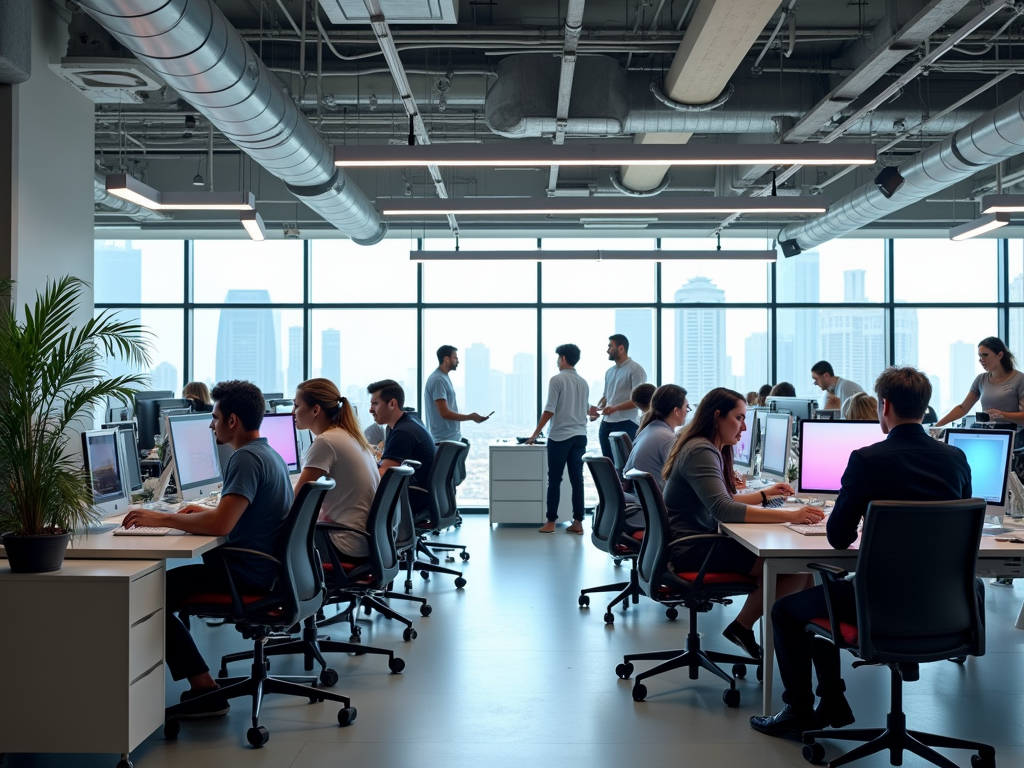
(440, 410)
(616, 404)
(837, 391)
(566, 409)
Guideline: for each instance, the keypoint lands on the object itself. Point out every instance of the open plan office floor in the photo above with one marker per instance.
(510, 672)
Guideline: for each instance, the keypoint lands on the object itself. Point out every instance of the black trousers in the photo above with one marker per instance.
(607, 427)
(561, 453)
(797, 649)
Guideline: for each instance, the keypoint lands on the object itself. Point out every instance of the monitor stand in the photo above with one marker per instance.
(164, 481)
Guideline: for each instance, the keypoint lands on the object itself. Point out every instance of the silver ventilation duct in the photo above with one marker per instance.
(993, 137)
(196, 51)
(117, 205)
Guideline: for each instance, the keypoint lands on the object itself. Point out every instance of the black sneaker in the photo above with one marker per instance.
(214, 705)
(744, 638)
(787, 724)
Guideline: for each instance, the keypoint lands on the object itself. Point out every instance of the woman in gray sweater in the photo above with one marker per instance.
(700, 493)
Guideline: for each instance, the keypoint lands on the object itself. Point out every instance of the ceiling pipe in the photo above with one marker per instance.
(992, 138)
(198, 53)
(573, 28)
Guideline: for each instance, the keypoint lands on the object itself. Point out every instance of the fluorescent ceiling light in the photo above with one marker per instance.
(598, 255)
(134, 191)
(532, 155)
(979, 226)
(1002, 204)
(609, 206)
(253, 224)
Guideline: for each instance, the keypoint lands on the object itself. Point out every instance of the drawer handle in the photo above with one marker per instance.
(147, 617)
(148, 672)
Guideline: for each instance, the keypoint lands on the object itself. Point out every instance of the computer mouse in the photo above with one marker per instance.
(792, 500)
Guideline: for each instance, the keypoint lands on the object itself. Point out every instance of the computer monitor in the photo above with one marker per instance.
(988, 452)
(148, 413)
(745, 451)
(267, 397)
(775, 445)
(194, 453)
(799, 408)
(102, 459)
(279, 429)
(305, 441)
(827, 414)
(825, 448)
(129, 446)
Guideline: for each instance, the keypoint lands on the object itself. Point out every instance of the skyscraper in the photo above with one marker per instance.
(1015, 338)
(700, 339)
(906, 337)
(478, 379)
(164, 376)
(295, 370)
(247, 341)
(755, 362)
(637, 326)
(963, 370)
(937, 402)
(520, 388)
(330, 355)
(117, 278)
(799, 344)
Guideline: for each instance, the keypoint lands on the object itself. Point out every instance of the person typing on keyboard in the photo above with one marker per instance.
(907, 466)
(251, 512)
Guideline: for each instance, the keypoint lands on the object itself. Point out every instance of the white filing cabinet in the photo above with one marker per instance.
(519, 484)
(82, 656)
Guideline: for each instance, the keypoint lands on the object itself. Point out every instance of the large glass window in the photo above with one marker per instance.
(346, 273)
(716, 279)
(849, 271)
(612, 281)
(139, 271)
(480, 282)
(944, 271)
(247, 272)
(248, 344)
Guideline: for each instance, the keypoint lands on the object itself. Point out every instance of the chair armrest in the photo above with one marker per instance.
(228, 553)
(831, 572)
(417, 488)
(831, 576)
(243, 550)
(714, 538)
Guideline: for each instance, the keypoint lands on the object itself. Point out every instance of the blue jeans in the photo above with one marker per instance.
(629, 427)
(560, 453)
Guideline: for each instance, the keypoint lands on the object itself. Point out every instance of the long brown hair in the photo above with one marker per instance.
(702, 424)
(324, 393)
(665, 399)
(197, 390)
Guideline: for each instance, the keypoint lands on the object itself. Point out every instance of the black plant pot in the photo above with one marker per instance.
(36, 554)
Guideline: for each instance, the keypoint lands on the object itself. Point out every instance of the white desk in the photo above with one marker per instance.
(83, 656)
(786, 551)
(519, 484)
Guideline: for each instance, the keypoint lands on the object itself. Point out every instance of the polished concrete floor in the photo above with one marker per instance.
(510, 672)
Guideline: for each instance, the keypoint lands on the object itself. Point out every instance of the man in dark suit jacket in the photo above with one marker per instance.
(908, 465)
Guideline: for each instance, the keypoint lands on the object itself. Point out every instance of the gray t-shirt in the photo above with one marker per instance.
(619, 381)
(258, 473)
(354, 472)
(439, 387)
(1008, 396)
(568, 400)
(696, 496)
(844, 389)
(650, 451)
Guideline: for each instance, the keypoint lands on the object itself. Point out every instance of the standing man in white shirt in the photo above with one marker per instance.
(616, 405)
(440, 409)
(566, 409)
(839, 391)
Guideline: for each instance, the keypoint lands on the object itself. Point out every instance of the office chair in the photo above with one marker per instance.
(460, 475)
(310, 644)
(622, 446)
(904, 621)
(697, 591)
(441, 512)
(296, 596)
(609, 535)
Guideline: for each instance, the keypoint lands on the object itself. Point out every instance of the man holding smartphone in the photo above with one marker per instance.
(440, 409)
(616, 406)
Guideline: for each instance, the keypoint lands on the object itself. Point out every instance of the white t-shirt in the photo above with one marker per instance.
(355, 474)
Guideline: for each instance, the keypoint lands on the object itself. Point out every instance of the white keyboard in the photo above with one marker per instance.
(141, 531)
(811, 529)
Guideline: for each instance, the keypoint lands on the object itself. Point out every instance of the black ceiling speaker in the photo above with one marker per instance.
(790, 248)
(889, 180)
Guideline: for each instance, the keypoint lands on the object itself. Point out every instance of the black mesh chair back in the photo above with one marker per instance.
(405, 531)
(460, 467)
(441, 484)
(610, 512)
(621, 446)
(382, 522)
(302, 584)
(651, 562)
(902, 541)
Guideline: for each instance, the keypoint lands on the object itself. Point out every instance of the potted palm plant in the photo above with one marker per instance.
(52, 376)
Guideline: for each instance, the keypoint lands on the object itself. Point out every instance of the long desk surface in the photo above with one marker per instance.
(786, 551)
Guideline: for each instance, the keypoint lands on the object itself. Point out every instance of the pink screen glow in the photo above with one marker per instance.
(279, 429)
(825, 450)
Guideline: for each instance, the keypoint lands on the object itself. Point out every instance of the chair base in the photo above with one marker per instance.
(629, 591)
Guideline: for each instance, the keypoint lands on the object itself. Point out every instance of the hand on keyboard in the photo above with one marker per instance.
(804, 515)
(774, 501)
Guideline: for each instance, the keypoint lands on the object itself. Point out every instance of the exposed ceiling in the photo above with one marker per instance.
(503, 72)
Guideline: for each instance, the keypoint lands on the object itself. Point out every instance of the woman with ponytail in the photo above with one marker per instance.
(340, 452)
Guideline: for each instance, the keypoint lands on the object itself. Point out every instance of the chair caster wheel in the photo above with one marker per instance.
(731, 697)
(396, 665)
(760, 673)
(609, 618)
(449, 558)
(124, 764)
(425, 574)
(624, 670)
(171, 729)
(222, 672)
(408, 585)
(584, 601)
(986, 760)
(425, 609)
(739, 670)
(814, 753)
(460, 583)
(464, 556)
(367, 610)
(346, 716)
(959, 659)
(409, 634)
(355, 639)
(257, 736)
(617, 561)
(671, 614)
(329, 678)
(639, 692)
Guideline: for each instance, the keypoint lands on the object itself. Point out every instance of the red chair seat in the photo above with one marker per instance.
(223, 598)
(718, 578)
(638, 535)
(848, 631)
(346, 567)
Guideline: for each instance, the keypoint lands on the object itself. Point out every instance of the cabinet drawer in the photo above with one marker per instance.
(145, 644)
(145, 706)
(146, 596)
(522, 464)
(517, 512)
(517, 490)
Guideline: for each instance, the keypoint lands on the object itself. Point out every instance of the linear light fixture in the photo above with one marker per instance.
(979, 226)
(598, 255)
(253, 224)
(1002, 204)
(529, 155)
(134, 191)
(610, 206)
